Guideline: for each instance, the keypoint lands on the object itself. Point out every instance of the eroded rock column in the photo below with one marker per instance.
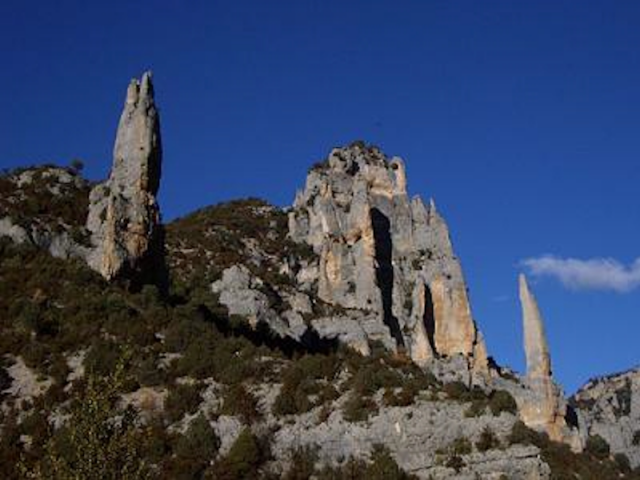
(542, 406)
(124, 216)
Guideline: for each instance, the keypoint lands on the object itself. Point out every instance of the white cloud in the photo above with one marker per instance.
(590, 274)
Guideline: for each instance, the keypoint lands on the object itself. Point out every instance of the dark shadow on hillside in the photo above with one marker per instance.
(151, 269)
(262, 335)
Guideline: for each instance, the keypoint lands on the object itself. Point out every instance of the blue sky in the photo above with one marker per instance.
(522, 119)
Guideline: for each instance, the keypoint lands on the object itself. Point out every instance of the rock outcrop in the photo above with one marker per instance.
(381, 252)
(46, 207)
(610, 407)
(124, 217)
(541, 404)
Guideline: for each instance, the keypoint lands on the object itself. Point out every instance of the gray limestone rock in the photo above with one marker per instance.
(610, 407)
(418, 437)
(541, 403)
(381, 252)
(124, 216)
(535, 340)
(240, 293)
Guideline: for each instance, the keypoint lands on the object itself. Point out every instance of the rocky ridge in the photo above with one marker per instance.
(354, 262)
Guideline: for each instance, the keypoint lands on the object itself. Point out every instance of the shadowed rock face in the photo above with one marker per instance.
(385, 254)
(124, 215)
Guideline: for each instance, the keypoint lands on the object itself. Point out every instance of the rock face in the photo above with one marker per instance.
(610, 407)
(541, 404)
(241, 294)
(124, 216)
(535, 339)
(381, 252)
(45, 207)
(418, 437)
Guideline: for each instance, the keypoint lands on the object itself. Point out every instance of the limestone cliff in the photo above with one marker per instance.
(610, 407)
(382, 252)
(124, 216)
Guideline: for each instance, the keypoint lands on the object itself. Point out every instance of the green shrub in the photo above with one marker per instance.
(502, 401)
(183, 398)
(239, 401)
(456, 391)
(461, 446)
(476, 409)
(147, 373)
(384, 467)
(488, 440)
(372, 377)
(242, 461)
(403, 398)
(597, 447)
(199, 441)
(456, 462)
(306, 376)
(198, 358)
(302, 465)
(623, 462)
(358, 409)
(291, 401)
(523, 435)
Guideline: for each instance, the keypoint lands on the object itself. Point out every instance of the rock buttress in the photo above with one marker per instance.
(381, 252)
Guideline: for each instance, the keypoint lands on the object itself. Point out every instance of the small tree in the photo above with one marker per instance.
(77, 165)
(99, 440)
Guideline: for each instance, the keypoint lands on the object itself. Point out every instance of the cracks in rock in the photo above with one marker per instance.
(384, 271)
(429, 318)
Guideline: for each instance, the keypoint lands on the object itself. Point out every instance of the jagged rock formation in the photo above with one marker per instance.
(124, 217)
(610, 407)
(541, 404)
(263, 297)
(386, 254)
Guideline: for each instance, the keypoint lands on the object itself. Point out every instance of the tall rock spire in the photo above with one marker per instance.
(124, 216)
(535, 339)
(541, 404)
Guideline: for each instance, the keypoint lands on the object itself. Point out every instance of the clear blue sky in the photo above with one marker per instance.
(522, 119)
